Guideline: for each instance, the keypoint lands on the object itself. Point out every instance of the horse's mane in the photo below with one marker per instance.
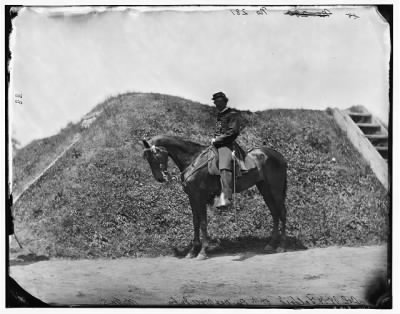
(167, 140)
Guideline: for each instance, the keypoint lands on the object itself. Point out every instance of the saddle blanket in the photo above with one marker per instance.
(243, 162)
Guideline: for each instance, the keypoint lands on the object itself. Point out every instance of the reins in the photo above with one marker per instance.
(154, 149)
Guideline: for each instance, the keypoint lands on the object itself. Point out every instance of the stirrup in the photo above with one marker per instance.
(223, 202)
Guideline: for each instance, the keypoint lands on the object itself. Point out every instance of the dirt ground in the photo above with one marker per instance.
(322, 276)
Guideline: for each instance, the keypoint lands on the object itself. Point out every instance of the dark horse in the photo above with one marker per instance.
(201, 187)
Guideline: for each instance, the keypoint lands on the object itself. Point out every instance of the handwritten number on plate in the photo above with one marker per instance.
(239, 12)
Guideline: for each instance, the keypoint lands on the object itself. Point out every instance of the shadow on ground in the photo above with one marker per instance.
(244, 247)
(26, 259)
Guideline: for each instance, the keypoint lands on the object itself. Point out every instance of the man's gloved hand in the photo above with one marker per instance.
(212, 141)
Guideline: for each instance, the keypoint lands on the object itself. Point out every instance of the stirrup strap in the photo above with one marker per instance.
(234, 184)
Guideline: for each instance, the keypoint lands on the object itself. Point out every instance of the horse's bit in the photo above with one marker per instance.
(163, 167)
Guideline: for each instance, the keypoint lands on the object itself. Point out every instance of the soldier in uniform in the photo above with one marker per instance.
(227, 130)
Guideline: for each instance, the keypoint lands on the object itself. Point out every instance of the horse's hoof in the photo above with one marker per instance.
(201, 257)
(280, 249)
(189, 255)
(269, 248)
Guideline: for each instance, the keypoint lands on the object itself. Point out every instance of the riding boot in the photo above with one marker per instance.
(226, 189)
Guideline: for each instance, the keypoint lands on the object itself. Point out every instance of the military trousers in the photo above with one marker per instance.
(225, 157)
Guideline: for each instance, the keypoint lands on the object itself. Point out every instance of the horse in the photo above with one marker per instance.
(201, 187)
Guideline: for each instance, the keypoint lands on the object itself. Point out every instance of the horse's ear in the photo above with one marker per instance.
(146, 144)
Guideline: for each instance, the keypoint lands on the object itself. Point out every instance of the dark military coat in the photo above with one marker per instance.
(226, 131)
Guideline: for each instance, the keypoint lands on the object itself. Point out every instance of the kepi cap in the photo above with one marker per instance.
(218, 95)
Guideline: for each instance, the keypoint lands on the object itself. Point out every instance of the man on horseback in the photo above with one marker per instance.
(226, 131)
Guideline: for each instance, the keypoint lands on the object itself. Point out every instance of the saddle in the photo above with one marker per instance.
(209, 157)
(243, 163)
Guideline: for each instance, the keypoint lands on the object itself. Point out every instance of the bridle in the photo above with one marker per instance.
(163, 166)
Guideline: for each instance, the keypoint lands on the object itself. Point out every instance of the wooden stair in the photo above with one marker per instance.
(383, 150)
(369, 128)
(369, 136)
(373, 131)
(360, 117)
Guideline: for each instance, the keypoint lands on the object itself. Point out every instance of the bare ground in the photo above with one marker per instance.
(321, 276)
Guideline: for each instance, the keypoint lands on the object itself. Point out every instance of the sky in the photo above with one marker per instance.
(65, 62)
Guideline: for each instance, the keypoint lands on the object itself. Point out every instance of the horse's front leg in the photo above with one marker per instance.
(194, 250)
(204, 236)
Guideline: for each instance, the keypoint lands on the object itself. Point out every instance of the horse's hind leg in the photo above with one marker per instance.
(280, 204)
(265, 191)
(282, 245)
(278, 192)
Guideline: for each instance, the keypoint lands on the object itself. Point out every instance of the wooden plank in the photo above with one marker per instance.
(369, 128)
(377, 139)
(360, 116)
(369, 125)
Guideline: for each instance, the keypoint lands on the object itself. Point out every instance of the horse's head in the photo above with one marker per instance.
(157, 156)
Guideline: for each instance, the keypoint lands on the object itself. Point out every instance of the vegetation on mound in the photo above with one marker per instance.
(32, 159)
(100, 199)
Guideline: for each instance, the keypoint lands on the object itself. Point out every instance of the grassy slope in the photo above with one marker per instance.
(101, 200)
(32, 159)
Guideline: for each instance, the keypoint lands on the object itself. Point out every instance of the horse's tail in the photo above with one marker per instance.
(284, 166)
(278, 162)
(285, 186)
